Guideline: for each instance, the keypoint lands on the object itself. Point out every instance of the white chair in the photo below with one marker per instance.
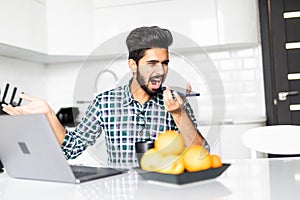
(276, 139)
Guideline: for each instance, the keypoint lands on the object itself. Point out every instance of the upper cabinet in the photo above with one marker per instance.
(23, 24)
(68, 27)
(237, 21)
(208, 23)
(53, 27)
(196, 19)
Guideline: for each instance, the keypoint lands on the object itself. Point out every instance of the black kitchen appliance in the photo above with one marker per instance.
(67, 116)
(1, 167)
(11, 101)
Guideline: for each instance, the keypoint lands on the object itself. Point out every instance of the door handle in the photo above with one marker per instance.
(282, 96)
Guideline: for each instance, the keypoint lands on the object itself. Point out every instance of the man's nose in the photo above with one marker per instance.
(160, 68)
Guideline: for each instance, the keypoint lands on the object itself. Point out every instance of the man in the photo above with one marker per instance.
(137, 111)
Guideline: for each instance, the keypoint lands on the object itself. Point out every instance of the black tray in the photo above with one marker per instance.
(186, 177)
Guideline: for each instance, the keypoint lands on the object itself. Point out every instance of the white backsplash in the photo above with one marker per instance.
(27, 76)
(240, 71)
(242, 76)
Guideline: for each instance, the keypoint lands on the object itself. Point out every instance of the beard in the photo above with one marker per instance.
(143, 84)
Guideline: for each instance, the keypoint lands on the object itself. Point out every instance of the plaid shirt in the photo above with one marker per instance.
(124, 121)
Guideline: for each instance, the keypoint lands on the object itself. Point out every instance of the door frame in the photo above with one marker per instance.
(273, 39)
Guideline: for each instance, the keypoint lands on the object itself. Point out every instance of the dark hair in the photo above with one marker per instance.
(143, 38)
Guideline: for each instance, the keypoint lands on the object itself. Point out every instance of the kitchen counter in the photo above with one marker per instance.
(244, 179)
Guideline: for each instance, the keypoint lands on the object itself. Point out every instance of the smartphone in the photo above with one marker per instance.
(182, 91)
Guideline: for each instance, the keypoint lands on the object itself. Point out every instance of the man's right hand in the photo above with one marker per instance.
(35, 105)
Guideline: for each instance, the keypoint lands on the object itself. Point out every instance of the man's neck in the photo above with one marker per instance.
(138, 93)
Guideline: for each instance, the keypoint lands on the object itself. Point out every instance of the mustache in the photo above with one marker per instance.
(157, 76)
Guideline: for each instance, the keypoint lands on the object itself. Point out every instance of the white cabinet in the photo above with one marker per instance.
(196, 19)
(237, 21)
(23, 24)
(70, 27)
(76, 27)
(52, 27)
(208, 23)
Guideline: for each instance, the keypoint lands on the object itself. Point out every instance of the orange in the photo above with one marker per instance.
(215, 161)
(169, 142)
(172, 164)
(151, 160)
(196, 158)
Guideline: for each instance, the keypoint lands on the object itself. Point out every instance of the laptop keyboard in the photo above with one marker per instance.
(82, 171)
(80, 174)
(85, 171)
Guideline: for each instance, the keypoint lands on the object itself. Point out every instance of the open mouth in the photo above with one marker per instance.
(156, 82)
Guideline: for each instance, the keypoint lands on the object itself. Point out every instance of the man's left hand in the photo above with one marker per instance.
(173, 102)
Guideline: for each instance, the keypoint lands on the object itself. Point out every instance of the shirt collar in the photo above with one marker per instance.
(127, 95)
(128, 98)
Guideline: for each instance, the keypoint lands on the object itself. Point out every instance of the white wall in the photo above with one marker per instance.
(60, 83)
(240, 71)
(27, 76)
(242, 78)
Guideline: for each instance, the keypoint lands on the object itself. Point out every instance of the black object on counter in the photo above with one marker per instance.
(1, 167)
(11, 102)
(3, 100)
(141, 147)
(67, 116)
(5, 93)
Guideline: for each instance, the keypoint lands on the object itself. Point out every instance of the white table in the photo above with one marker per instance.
(245, 179)
(276, 139)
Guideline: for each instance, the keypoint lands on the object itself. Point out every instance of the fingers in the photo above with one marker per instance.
(171, 99)
(188, 87)
(178, 98)
(168, 98)
(9, 109)
(25, 97)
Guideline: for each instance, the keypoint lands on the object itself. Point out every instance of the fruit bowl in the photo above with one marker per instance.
(185, 177)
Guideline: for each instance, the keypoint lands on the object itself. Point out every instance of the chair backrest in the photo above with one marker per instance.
(276, 139)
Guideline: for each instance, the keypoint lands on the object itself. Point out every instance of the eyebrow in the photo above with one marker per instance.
(156, 61)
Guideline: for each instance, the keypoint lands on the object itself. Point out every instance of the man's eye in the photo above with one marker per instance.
(152, 63)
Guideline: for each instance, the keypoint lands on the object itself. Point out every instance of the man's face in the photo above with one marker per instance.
(152, 70)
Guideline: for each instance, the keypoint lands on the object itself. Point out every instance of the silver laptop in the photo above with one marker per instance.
(29, 149)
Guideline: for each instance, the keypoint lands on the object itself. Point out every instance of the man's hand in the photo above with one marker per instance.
(173, 102)
(174, 105)
(34, 106)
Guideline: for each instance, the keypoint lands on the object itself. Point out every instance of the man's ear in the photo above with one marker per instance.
(132, 65)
